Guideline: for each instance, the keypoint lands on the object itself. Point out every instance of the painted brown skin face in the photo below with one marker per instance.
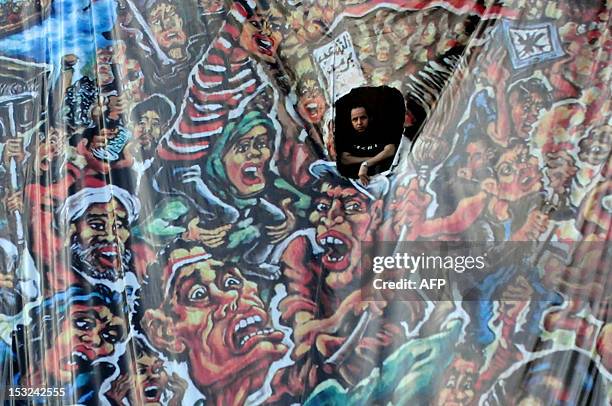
(477, 158)
(459, 380)
(86, 334)
(167, 27)
(261, 35)
(148, 130)
(595, 148)
(561, 170)
(525, 111)
(218, 322)
(342, 218)
(151, 379)
(51, 149)
(517, 174)
(104, 68)
(102, 233)
(246, 161)
(312, 104)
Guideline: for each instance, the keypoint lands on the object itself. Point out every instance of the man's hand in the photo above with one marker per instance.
(120, 389)
(14, 202)
(535, 225)
(212, 238)
(7, 281)
(363, 175)
(178, 386)
(13, 148)
(278, 233)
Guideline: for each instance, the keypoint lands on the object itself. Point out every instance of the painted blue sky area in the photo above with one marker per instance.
(74, 26)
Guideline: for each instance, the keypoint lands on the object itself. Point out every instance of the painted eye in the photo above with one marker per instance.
(350, 207)
(322, 207)
(231, 283)
(198, 293)
(83, 323)
(110, 336)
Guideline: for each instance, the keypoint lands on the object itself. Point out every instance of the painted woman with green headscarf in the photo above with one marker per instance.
(238, 171)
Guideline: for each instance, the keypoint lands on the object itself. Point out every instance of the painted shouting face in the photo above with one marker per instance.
(99, 238)
(87, 333)
(312, 104)
(167, 27)
(246, 161)
(218, 322)
(261, 35)
(342, 217)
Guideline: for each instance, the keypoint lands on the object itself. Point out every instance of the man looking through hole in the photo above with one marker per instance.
(365, 152)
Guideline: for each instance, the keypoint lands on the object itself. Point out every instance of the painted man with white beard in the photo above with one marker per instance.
(98, 223)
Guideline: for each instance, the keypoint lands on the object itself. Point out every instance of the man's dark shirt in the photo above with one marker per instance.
(366, 144)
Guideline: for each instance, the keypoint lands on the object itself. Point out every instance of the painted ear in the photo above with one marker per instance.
(160, 330)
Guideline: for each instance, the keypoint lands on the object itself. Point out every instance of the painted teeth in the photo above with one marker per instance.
(330, 241)
(77, 354)
(251, 169)
(247, 322)
(335, 259)
(255, 333)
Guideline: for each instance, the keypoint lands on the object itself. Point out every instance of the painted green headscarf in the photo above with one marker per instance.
(216, 176)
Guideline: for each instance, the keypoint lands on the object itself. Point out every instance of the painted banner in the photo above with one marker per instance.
(174, 229)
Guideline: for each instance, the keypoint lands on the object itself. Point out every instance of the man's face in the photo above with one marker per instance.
(105, 73)
(595, 149)
(246, 161)
(86, 334)
(342, 220)
(477, 158)
(311, 105)
(561, 170)
(525, 111)
(383, 51)
(261, 35)
(51, 150)
(517, 174)
(148, 130)
(359, 119)
(167, 27)
(221, 323)
(151, 379)
(99, 238)
(459, 384)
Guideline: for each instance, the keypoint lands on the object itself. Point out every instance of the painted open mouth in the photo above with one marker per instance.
(109, 255)
(313, 110)
(337, 250)
(77, 358)
(251, 174)
(264, 44)
(152, 393)
(249, 331)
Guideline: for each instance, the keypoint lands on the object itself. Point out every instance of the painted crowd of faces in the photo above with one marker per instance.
(174, 229)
